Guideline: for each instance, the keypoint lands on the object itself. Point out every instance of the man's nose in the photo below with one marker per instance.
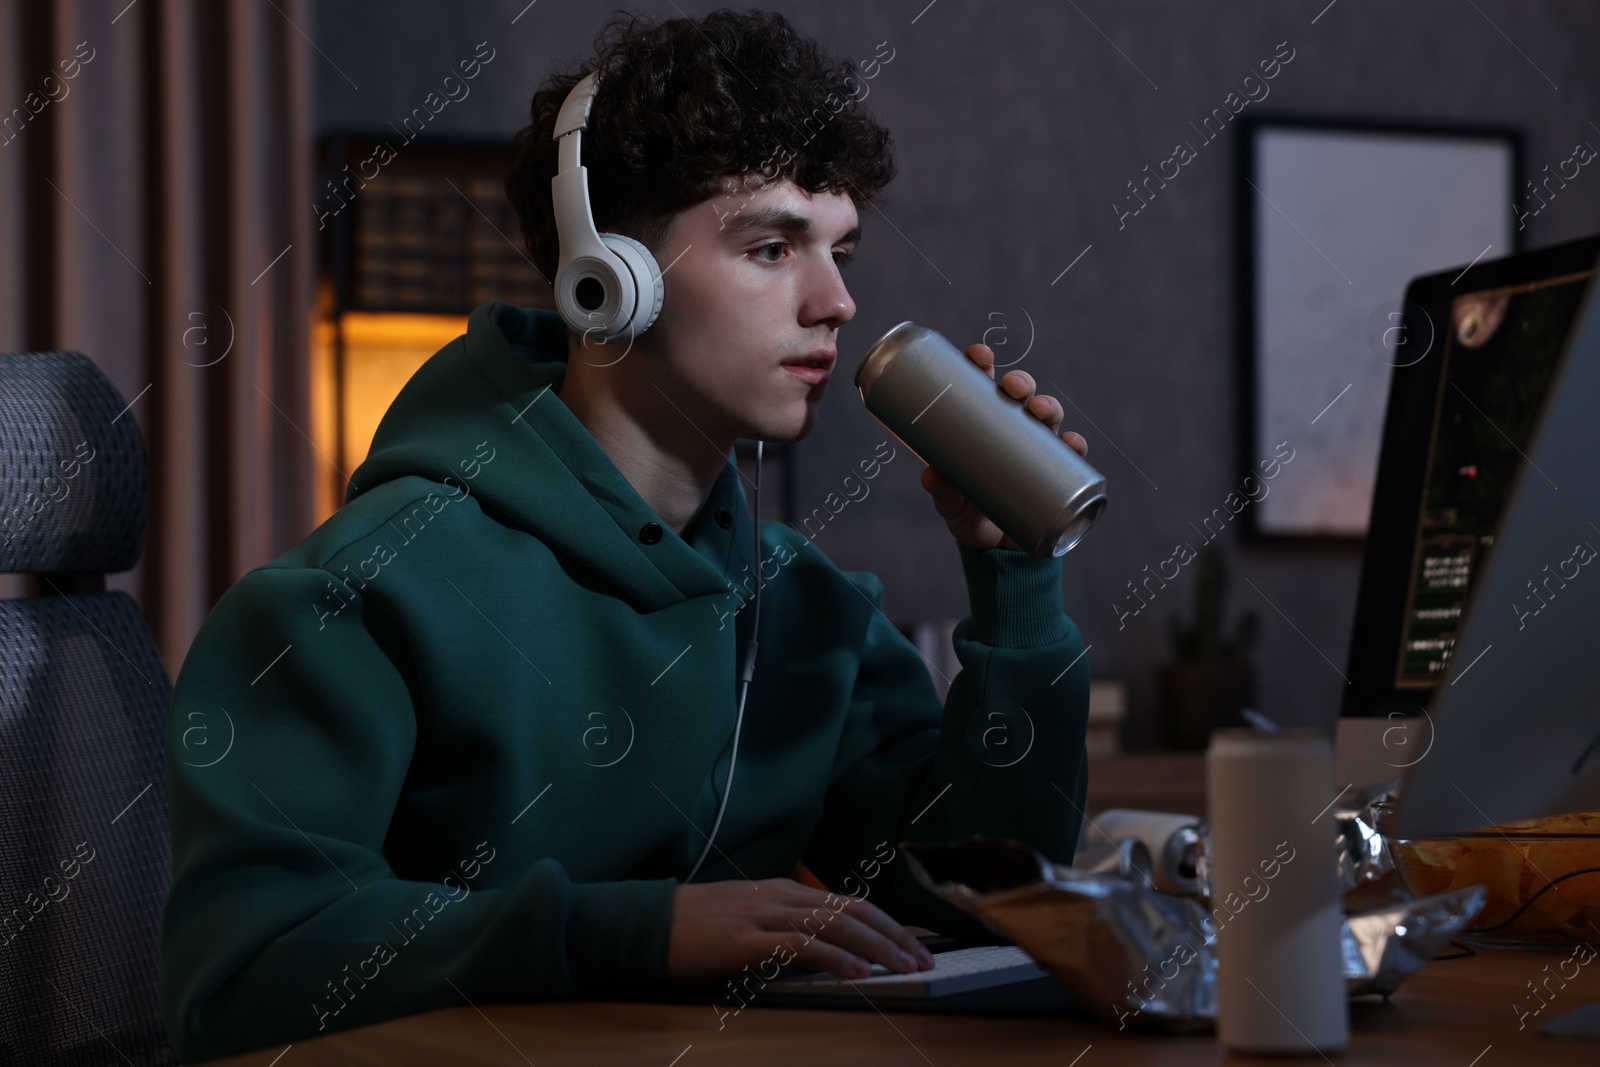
(827, 301)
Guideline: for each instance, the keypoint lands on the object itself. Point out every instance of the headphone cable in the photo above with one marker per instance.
(744, 681)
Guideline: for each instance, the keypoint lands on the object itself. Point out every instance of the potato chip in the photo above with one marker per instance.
(1427, 866)
(1568, 897)
(1497, 869)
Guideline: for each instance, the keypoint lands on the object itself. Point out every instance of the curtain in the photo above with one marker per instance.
(155, 215)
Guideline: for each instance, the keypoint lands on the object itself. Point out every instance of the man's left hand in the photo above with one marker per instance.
(969, 525)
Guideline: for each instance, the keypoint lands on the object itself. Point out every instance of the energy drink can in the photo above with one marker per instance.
(960, 422)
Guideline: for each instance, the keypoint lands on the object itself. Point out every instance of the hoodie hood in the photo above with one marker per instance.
(497, 383)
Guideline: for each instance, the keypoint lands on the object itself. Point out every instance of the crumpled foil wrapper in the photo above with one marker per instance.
(1363, 852)
(1383, 947)
(1135, 955)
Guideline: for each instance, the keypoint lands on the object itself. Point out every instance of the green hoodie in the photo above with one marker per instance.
(462, 742)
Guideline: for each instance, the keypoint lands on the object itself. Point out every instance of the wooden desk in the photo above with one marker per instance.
(1148, 781)
(1448, 1014)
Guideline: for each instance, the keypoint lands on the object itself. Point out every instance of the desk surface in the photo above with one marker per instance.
(1455, 1013)
(1148, 781)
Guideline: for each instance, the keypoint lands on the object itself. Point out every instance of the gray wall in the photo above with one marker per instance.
(1016, 127)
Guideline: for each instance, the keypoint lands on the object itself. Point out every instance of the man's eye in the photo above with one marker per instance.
(778, 248)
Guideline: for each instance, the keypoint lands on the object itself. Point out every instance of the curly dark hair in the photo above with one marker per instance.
(685, 104)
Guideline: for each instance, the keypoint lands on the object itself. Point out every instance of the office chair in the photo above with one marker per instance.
(85, 859)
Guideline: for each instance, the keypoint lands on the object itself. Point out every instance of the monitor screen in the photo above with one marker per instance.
(1474, 352)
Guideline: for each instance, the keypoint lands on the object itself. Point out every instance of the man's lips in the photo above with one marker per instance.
(813, 368)
(821, 360)
(809, 375)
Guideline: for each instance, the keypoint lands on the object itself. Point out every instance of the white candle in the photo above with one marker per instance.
(1274, 893)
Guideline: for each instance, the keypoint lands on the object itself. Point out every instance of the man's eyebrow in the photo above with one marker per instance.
(781, 218)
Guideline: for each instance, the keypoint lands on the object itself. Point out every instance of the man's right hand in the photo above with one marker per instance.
(719, 927)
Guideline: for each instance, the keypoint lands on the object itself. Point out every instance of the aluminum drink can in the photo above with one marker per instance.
(958, 421)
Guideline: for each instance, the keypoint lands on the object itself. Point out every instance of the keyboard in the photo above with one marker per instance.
(956, 971)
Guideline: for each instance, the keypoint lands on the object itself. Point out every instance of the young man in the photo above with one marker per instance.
(466, 741)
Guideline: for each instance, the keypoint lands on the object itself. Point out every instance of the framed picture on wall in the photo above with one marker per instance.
(1336, 219)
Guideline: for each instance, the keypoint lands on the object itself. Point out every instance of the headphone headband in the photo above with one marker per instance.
(605, 285)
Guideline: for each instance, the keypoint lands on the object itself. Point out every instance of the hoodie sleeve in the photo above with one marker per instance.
(287, 747)
(1005, 758)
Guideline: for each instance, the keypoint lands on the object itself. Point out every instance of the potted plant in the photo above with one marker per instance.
(1209, 681)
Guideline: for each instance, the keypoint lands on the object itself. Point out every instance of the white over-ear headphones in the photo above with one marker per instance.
(607, 285)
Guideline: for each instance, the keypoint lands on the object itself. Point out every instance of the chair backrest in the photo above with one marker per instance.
(85, 854)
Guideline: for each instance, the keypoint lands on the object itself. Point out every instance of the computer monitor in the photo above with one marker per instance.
(1486, 617)
(1474, 351)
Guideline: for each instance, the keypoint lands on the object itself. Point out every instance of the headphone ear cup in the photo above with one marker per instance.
(590, 295)
(647, 282)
